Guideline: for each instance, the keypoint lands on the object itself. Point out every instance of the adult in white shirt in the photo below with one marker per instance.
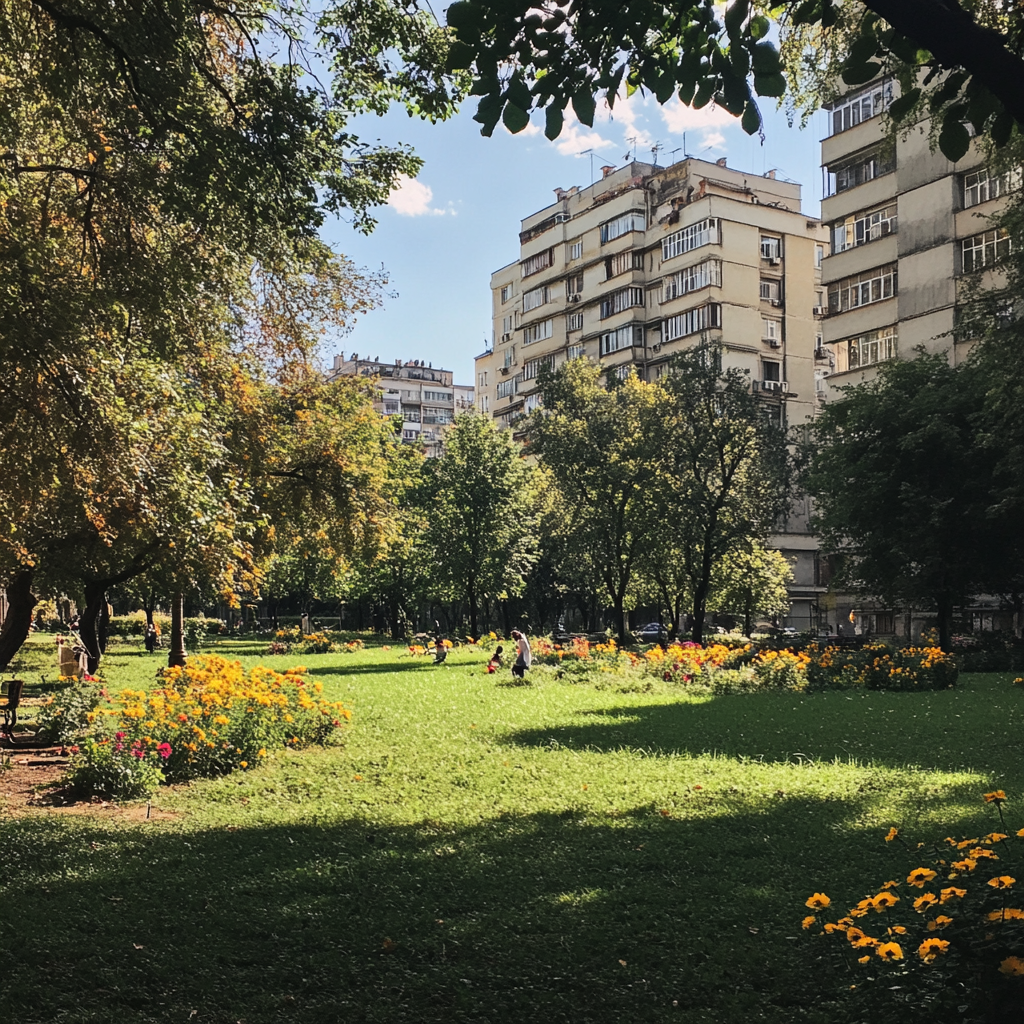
(524, 656)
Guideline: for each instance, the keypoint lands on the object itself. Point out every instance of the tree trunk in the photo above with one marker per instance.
(748, 615)
(21, 602)
(103, 625)
(148, 606)
(945, 609)
(177, 655)
(620, 619)
(471, 597)
(89, 624)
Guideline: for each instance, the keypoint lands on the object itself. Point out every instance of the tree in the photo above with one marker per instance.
(726, 477)
(604, 449)
(480, 514)
(906, 486)
(751, 582)
(961, 62)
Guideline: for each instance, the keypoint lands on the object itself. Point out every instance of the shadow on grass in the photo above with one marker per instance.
(947, 729)
(548, 918)
(421, 665)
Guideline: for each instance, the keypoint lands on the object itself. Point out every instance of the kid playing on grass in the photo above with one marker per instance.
(496, 660)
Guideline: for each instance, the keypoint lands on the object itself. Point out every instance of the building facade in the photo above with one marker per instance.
(905, 224)
(426, 398)
(646, 263)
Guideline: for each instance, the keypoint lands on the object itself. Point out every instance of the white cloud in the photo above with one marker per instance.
(680, 118)
(713, 140)
(575, 140)
(412, 198)
(626, 111)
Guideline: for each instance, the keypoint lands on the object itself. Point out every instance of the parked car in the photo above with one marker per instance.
(652, 633)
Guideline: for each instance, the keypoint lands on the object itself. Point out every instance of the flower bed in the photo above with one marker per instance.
(881, 667)
(950, 930)
(207, 719)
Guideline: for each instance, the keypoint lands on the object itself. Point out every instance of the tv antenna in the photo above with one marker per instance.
(673, 154)
(631, 140)
(655, 149)
(584, 152)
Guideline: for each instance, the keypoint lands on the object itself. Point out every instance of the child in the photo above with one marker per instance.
(496, 660)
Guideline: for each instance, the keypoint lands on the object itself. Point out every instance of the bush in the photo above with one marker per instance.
(134, 624)
(115, 768)
(881, 667)
(65, 715)
(212, 717)
(989, 652)
(946, 935)
(781, 670)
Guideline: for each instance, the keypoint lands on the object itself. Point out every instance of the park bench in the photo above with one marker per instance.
(10, 698)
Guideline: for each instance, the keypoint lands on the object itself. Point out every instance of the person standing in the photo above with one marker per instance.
(524, 656)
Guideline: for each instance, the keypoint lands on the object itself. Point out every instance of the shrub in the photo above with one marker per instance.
(950, 932)
(134, 624)
(278, 647)
(781, 670)
(116, 768)
(65, 715)
(881, 667)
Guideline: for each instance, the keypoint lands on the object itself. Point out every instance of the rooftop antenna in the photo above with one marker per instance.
(584, 152)
(631, 140)
(673, 154)
(655, 149)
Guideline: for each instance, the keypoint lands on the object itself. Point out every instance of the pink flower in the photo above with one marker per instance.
(119, 747)
(138, 753)
(164, 750)
(120, 736)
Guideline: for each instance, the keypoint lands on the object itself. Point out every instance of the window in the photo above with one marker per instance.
(481, 379)
(576, 250)
(771, 291)
(771, 370)
(634, 221)
(622, 262)
(510, 356)
(437, 396)
(860, 170)
(536, 297)
(862, 289)
(541, 261)
(624, 298)
(624, 337)
(623, 371)
(985, 249)
(485, 403)
(860, 228)
(703, 233)
(771, 247)
(981, 186)
(861, 106)
(573, 285)
(532, 367)
(574, 352)
(410, 435)
(771, 330)
(692, 321)
(505, 388)
(507, 292)
(508, 325)
(819, 254)
(392, 408)
(532, 402)
(436, 415)
(574, 321)
(702, 275)
(537, 332)
(865, 349)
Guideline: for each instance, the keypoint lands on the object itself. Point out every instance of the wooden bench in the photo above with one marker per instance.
(10, 691)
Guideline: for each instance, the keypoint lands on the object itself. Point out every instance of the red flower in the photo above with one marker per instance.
(164, 750)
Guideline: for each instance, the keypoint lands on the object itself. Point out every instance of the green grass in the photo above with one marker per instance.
(510, 842)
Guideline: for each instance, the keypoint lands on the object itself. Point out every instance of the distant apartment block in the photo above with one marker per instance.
(646, 263)
(426, 398)
(905, 224)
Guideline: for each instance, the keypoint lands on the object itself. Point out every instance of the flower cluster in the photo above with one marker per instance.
(953, 917)
(880, 667)
(212, 717)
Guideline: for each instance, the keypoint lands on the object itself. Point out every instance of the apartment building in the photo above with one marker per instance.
(646, 263)
(426, 398)
(904, 224)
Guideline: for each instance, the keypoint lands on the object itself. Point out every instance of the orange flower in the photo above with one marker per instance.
(893, 833)
(919, 876)
(1012, 965)
(819, 901)
(995, 797)
(808, 922)
(940, 922)
(883, 901)
(1002, 882)
(889, 951)
(931, 948)
(922, 903)
(952, 893)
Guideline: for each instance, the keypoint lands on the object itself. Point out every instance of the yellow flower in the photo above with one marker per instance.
(940, 922)
(893, 833)
(819, 901)
(995, 797)
(897, 929)
(922, 903)
(890, 885)
(262, 752)
(863, 959)
(245, 764)
(931, 948)
(808, 922)
(996, 837)
(865, 943)
(883, 901)
(919, 876)
(965, 865)
(1012, 965)
(1002, 882)
(890, 951)
(854, 934)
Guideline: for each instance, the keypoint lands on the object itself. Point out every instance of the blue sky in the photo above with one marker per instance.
(442, 235)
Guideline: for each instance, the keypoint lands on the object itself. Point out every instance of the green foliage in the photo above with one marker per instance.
(113, 769)
(751, 583)
(881, 667)
(66, 714)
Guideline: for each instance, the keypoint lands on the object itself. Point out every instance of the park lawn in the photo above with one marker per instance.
(480, 852)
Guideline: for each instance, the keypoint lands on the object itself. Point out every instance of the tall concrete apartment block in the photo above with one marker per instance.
(426, 397)
(647, 262)
(905, 224)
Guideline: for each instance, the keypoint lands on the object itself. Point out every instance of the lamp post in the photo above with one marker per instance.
(177, 655)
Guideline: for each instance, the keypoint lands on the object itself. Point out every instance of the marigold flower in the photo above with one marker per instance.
(831, 928)
(995, 797)
(965, 865)
(922, 903)
(939, 922)
(893, 833)
(808, 922)
(863, 959)
(919, 876)
(854, 934)
(1001, 882)
(996, 837)
(889, 951)
(819, 901)
(883, 901)
(1012, 965)
(865, 943)
(897, 929)
(890, 885)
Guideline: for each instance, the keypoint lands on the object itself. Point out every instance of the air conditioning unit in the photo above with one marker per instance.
(775, 343)
(504, 371)
(819, 310)
(506, 337)
(575, 298)
(774, 261)
(776, 302)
